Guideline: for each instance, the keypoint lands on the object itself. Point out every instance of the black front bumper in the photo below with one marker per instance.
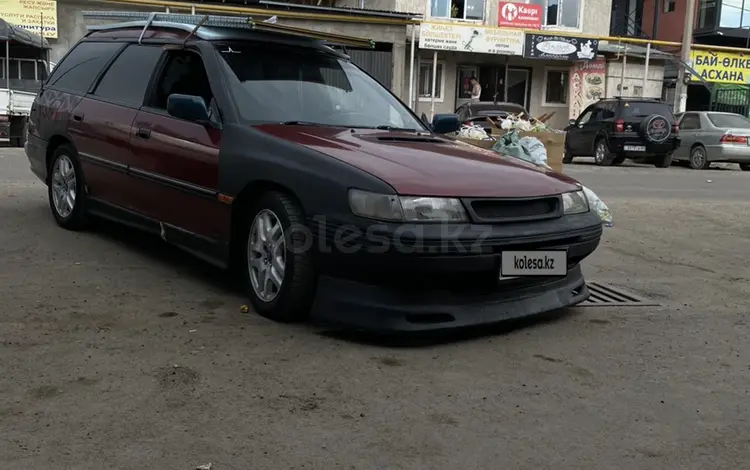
(432, 288)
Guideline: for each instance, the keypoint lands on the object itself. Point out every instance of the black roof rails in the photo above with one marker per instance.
(147, 20)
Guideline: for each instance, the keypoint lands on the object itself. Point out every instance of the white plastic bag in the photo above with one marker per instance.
(473, 132)
(535, 148)
(598, 206)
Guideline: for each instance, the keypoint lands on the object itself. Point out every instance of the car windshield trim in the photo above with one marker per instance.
(276, 83)
(728, 121)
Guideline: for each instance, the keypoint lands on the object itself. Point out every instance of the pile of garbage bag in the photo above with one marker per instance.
(517, 122)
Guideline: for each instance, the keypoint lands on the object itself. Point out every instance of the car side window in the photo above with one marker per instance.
(586, 116)
(608, 111)
(185, 74)
(77, 72)
(690, 121)
(128, 77)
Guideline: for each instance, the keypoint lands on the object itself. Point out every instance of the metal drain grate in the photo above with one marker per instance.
(611, 296)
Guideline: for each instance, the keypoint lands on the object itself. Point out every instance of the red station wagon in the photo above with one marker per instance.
(270, 153)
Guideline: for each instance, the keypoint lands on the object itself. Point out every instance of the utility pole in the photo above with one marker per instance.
(687, 39)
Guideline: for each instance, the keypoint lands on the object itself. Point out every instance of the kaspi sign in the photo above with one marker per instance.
(519, 15)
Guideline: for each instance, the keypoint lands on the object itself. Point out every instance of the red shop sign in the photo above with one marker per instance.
(519, 15)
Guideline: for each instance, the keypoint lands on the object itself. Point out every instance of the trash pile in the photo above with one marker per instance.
(529, 149)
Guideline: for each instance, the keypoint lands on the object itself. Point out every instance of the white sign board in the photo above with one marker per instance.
(454, 37)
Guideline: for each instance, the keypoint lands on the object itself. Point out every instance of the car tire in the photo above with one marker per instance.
(602, 155)
(745, 166)
(663, 161)
(699, 158)
(618, 160)
(567, 156)
(66, 189)
(280, 280)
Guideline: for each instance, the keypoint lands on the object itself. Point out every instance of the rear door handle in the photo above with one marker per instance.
(77, 117)
(143, 133)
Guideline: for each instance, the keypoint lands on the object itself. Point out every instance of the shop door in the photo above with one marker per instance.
(463, 87)
(517, 87)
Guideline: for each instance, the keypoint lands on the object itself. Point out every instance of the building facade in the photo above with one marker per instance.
(505, 73)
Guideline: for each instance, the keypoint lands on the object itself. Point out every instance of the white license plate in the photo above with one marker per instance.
(634, 148)
(533, 263)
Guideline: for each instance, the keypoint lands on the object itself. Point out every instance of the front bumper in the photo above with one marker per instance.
(451, 285)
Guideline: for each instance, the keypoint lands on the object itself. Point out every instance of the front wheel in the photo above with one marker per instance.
(279, 273)
(567, 156)
(66, 190)
(663, 161)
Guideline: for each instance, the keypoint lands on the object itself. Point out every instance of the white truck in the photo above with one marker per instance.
(23, 69)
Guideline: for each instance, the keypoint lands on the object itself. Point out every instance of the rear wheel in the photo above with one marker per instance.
(663, 161)
(699, 158)
(279, 273)
(745, 166)
(602, 155)
(618, 160)
(65, 189)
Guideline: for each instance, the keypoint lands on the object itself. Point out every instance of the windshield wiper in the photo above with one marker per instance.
(392, 128)
(309, 123)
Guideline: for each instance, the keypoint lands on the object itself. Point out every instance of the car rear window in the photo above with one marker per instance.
(728, 120)
(643, 109)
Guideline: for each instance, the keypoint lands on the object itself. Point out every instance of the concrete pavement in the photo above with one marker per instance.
(119, 352)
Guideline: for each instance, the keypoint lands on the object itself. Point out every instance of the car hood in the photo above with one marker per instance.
(421, 164)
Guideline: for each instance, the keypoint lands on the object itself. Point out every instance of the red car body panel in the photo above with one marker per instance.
(186, 152)
(428, 166)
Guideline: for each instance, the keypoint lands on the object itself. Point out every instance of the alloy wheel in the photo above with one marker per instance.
(266, 255)
(64, 186)
(600, 153)
(698, 157)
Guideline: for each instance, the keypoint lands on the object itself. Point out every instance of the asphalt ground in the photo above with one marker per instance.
(119, 352)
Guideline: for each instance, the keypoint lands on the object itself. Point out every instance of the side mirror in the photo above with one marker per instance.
(188, 107)
(571, 124)
(445, 123)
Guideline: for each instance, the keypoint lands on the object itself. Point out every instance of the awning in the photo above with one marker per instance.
(9, 32)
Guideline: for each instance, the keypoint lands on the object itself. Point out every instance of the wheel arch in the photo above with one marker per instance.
(54, 143)
(242, 203)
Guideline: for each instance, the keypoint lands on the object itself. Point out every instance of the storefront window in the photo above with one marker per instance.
(565, 13)
(556, 87)
(707, 14)
(458, 9)
(425, 81)
(734, 13)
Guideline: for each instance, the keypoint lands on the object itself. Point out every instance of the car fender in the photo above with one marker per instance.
(319, 182)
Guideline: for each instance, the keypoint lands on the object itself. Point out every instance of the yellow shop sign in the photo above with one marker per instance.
(721, 67)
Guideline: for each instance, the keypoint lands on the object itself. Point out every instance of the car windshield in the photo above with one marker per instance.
(729, 120)
(644, 108)
(277, 83)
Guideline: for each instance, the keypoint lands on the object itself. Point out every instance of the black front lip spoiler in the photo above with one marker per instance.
(351, 304)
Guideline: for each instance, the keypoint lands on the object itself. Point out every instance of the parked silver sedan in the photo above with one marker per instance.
(709, 136)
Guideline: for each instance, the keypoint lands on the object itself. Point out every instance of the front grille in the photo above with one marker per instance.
(515, 210)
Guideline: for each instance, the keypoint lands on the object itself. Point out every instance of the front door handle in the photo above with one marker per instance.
(143, 133)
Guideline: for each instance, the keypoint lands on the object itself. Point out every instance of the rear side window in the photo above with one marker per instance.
(643, 109)
(78, 70)
(127, 79)
(729, 120)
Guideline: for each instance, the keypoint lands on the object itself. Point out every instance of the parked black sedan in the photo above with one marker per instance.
(479, 111)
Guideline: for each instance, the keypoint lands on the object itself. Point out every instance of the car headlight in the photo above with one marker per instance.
(406, 208)
(575, 203)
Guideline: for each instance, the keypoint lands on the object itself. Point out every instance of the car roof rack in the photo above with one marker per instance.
(192, 23)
